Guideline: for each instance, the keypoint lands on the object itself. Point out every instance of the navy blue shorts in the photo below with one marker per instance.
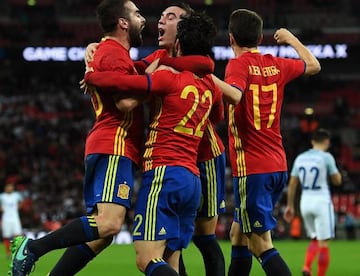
(166, 206)
(212, 176)
(108, 178)
(255, 198)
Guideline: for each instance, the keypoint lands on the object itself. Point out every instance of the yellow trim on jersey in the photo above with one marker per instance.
(211, 187)
(240, 154)
(121, 133)
(246, 226)
(213, 141)
(152, 136)
(110, 177)
(151, 206)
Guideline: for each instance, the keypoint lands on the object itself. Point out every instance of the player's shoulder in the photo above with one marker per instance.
(111, 47)
(160, 53)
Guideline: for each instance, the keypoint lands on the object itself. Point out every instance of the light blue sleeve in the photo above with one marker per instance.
(331, 164)
(294, 171)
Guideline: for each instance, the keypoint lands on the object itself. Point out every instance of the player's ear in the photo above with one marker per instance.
(231, 39)
(260, 39)
(123, 23)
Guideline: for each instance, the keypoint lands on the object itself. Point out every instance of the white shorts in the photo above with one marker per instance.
(318, 217)
(11, 228)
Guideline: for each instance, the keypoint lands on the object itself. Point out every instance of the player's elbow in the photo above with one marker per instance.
(234, 97)
(313, 67)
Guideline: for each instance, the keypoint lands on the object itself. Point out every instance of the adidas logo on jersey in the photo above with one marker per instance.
(162, 231)
(257, 224)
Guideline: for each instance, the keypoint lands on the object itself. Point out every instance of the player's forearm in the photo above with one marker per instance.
(118, 82)
(312, 63)
(291, 191)
(336, 179)
(283, 35)
(231, 94)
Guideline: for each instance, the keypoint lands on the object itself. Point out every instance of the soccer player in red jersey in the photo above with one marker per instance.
(211, 154)
(112, 153)
(211, 159)
(170, 193)
(257, 156)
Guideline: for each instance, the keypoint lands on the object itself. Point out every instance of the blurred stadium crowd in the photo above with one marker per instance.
(45, 116)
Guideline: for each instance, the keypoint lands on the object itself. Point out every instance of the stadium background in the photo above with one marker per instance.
(45, 117)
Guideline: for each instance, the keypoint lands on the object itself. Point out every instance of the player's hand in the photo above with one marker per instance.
(87, 88)
(289, 214)
(125, 103)
(284, 36)
(90, 51)
(153, 66)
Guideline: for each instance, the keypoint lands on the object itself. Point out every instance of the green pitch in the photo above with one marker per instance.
(120, 260)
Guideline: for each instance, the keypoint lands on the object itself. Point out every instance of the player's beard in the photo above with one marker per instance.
(135, 36)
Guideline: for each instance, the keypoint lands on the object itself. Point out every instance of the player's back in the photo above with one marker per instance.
(180, 113)
(312, 167)
(256, 119)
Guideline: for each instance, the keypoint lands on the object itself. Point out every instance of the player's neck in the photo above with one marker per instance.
(238, 51)
(319, 147)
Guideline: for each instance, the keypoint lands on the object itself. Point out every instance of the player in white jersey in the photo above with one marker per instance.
(10, 201)
(312, 169)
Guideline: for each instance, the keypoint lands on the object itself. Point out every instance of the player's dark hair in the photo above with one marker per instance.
(186, 7)
(196, 34)
(108, 13)
(321, 135)
(246, 27)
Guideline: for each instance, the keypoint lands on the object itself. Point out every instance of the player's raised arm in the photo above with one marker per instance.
(283, 35)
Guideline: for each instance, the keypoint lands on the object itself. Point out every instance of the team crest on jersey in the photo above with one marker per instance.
(123, 191)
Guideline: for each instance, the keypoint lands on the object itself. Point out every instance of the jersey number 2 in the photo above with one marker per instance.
(181, 127)
(313, 175)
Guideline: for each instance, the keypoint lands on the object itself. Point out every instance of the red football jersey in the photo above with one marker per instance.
(211, 144)
(180, 108)
(114, 132)
(255, 141)
(146, 61)
(179, 118)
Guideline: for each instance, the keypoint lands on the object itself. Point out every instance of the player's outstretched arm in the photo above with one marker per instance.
(231, 94)
(118, 82)
(283, 35)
